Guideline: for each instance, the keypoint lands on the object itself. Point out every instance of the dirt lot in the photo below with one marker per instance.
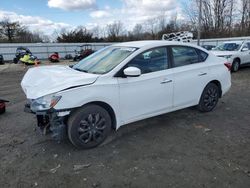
(180, 149)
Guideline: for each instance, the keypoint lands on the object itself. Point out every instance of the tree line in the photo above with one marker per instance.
(219, 18)
(16, 32)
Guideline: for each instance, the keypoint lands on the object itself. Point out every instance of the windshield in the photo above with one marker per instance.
(228, 47)
(104, 60)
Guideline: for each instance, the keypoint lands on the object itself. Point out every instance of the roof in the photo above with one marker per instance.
(236, 41)
(153, 43)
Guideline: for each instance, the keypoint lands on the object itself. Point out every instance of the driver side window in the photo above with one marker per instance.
(246, 46)
(151, 61)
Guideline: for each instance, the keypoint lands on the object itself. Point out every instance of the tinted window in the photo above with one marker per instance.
(245, 46)
(151, 60)
(202, 55)
(183, 55)
(248, 44)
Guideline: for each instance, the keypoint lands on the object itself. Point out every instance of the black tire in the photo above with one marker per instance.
(15, 60)
(3, 110)
(235, 65)
(209, 98)
(89, 126)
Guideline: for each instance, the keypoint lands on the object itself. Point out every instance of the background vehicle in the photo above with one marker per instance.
(1, 60)
(236, 52)
(20, 52)
(24, 55)
(123, 83)
(54, 57)
(83, 51)
(2, 106)
(68, 56)
(29, 59)
(208, 46)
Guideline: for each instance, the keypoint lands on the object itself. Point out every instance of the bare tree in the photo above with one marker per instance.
(138, 31)
(26, 36)
(152, 27)
(80, 34)
(218, 17)
(9, 29)
(114, 31)
(96, 31)
(245, 18)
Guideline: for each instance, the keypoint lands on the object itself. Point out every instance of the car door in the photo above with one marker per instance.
(150, 93)
(190, 74)
(245, 55)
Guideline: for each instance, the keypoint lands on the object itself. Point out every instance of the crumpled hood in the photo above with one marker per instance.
(44, 80)
(223, 53)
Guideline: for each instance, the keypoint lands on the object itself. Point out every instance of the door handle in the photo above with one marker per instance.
(202, 74)
(164, 81)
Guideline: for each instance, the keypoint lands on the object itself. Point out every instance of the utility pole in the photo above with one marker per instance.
(199, 24)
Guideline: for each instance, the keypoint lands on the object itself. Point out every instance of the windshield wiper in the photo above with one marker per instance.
(81, 70)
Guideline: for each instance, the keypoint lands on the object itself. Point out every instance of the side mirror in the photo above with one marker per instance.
(244, 49)
(132, 72)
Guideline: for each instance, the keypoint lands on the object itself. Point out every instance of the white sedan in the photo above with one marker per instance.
(123, 83)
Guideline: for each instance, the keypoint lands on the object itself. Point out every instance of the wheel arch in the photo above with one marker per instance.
(216, 82)
(109, 109)
(237, 58)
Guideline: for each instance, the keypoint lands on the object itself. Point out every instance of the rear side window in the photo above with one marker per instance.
(202, 55)
(183, 55)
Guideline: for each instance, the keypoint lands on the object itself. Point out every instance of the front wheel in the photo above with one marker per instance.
(89, 126)
(209, 98)
(235, 65)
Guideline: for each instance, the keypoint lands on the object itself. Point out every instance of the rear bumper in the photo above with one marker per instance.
(226, 83)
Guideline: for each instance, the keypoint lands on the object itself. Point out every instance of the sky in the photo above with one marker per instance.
(49, 15)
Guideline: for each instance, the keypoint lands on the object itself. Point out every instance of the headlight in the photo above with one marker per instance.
(44, 103)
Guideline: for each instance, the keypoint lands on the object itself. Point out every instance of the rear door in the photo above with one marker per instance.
(191, 74)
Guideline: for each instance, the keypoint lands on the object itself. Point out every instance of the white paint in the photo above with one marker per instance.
(131, 98)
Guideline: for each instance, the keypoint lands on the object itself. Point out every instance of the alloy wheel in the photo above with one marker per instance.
(91, 128)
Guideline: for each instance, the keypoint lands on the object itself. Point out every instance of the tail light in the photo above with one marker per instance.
(228, 65)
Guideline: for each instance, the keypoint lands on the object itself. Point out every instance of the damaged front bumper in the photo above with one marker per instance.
(51, 122)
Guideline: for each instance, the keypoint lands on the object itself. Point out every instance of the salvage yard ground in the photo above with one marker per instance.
(180, 149)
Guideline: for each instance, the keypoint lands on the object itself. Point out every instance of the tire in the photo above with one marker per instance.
(209, 98)
(235, 65)
(3, 110)
(15, 60)
(89, 126)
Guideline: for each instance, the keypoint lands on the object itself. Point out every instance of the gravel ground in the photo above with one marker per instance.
(180, 149)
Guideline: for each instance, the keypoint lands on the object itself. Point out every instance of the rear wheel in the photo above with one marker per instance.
(209, 98)
(89, 126)
(235, 65)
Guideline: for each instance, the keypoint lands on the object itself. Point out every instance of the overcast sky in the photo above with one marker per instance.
(48, 15)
